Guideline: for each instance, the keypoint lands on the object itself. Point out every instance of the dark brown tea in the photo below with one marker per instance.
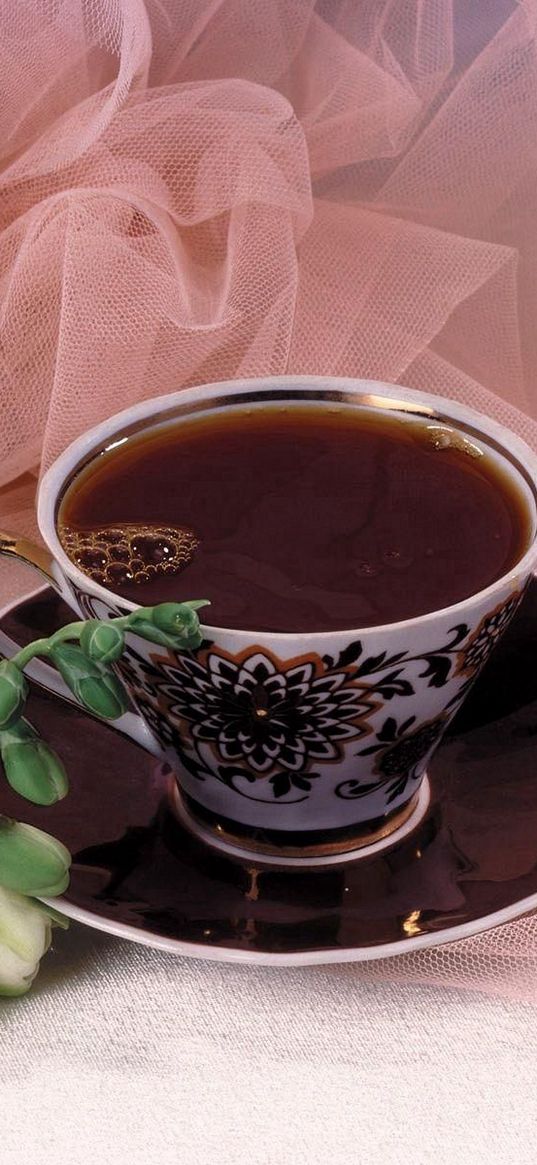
(295, 519)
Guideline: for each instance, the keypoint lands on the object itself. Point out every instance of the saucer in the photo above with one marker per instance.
(141, 873)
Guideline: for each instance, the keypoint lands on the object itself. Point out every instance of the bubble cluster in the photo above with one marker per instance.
(114, 555)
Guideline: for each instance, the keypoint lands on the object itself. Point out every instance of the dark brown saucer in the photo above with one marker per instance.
(470, 864)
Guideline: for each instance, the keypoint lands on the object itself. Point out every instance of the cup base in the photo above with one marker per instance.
(336, 846)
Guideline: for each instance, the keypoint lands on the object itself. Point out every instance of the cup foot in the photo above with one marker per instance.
(359, 842)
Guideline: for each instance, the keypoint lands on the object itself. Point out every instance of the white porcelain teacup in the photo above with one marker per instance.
(350, 718)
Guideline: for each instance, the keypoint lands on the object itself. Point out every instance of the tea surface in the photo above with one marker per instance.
(297, 518)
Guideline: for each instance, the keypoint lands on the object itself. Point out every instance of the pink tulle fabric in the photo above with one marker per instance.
(192, 190)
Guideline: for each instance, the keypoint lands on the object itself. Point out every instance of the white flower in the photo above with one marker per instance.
(25, 934)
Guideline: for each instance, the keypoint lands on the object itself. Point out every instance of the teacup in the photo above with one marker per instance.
(342, 766)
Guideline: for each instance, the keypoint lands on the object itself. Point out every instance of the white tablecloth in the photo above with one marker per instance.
(126, 1055)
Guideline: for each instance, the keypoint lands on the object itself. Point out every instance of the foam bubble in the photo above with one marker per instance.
(114, 555)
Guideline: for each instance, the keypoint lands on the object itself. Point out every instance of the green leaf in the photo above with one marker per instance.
(32, 862)
(102, 642)
(32, 768)
(13, 693)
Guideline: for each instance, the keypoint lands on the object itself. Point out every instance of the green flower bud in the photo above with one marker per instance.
(147, 630)
(102, 642)
(96, 688)
(177, 619)
(174, 625)
(32, 768)
(103, 695)
(32, 862)
(13, 693)
(25, 934)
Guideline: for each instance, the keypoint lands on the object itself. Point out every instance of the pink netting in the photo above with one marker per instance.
(199, 189)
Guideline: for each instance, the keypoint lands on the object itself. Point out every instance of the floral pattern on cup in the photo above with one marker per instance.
(264, 726)
(401, 756)
(265, 713)
(482, 642)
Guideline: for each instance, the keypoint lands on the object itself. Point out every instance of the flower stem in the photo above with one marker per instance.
(44, 646)
(38, 647)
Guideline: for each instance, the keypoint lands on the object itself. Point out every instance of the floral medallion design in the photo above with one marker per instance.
(481, 644)
(262, 712)
(265, 720)
(401, 756)
(408, 751)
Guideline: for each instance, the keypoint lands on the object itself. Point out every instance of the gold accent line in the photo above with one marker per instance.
(13, 546)
(364, 836)
(392, 404)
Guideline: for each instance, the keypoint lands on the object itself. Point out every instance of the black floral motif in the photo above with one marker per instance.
(265, 713)
(484, 639)
(280, 784)
(400, 757)
(409, 750)
(390, 669)
(284, 783)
